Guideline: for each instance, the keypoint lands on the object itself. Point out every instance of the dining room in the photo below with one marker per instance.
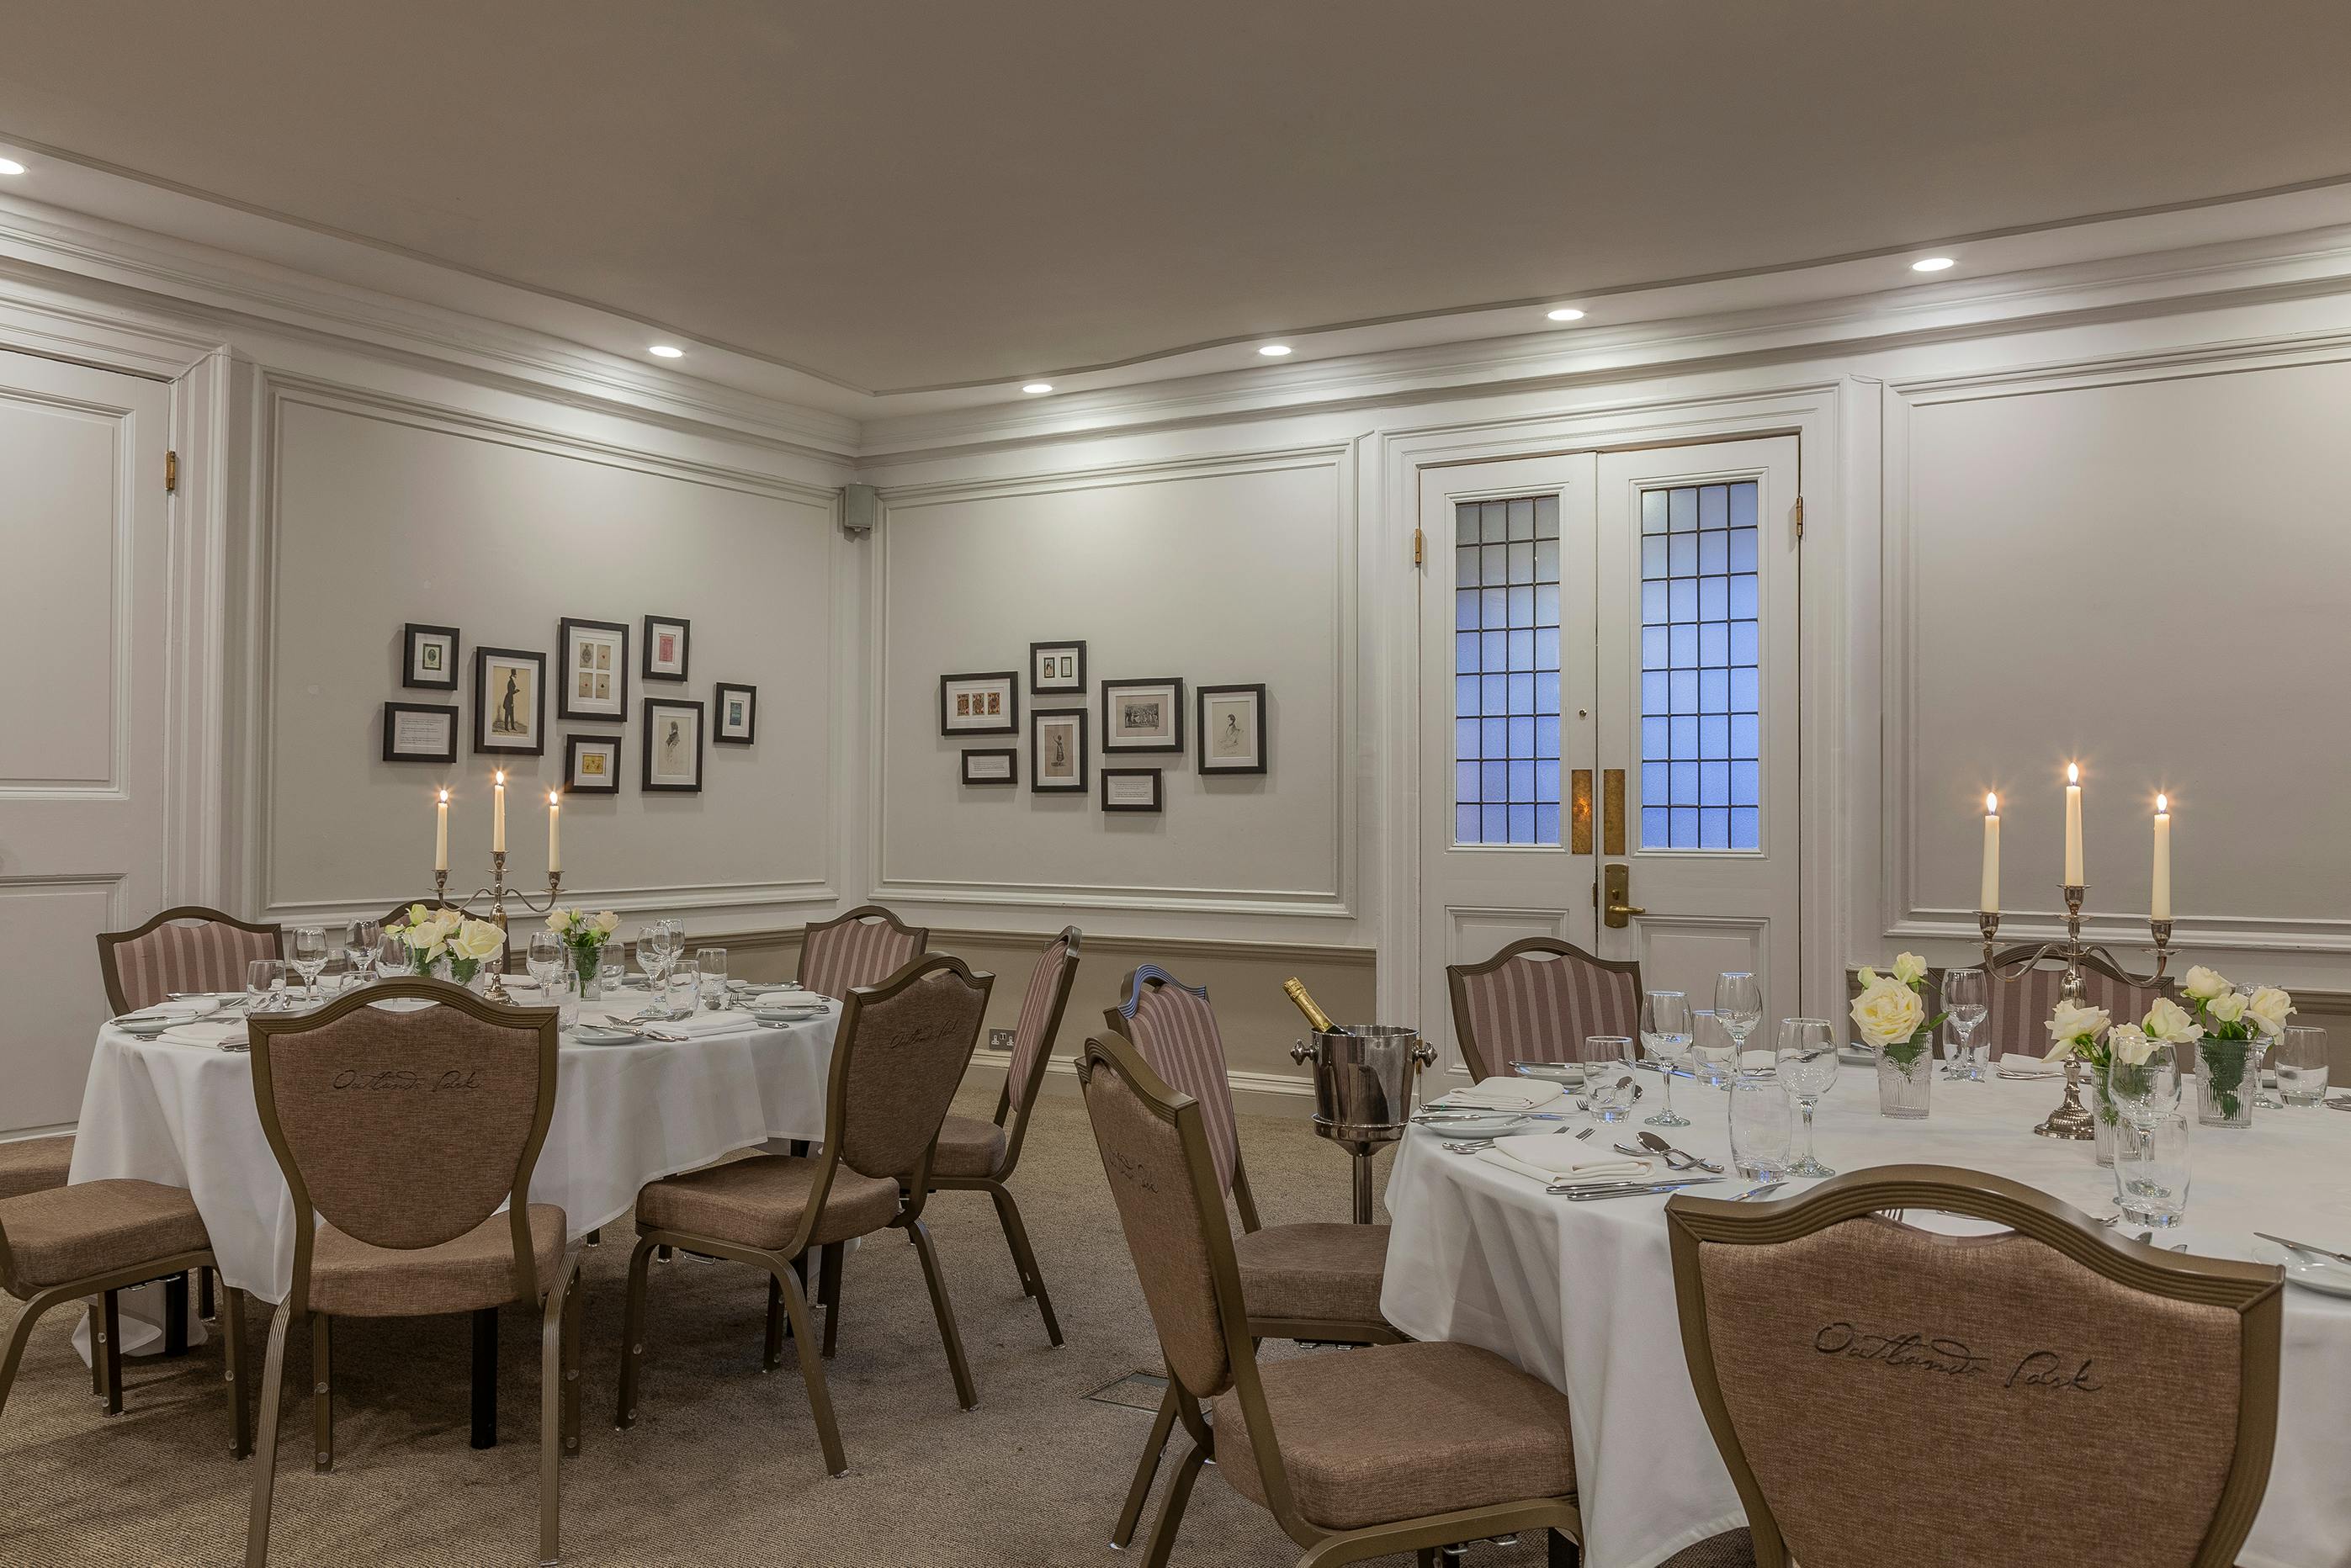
(938, 785)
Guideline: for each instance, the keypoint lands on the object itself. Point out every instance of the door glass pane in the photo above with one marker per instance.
(1701, 688)
(1505, 671)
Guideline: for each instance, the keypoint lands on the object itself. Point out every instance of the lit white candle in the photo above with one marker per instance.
(2074, 877)
(498, 813)
(1989, 901)
(2159, 904)
(441, 834)
(554, 834)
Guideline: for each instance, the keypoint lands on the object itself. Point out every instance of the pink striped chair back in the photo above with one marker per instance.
(863, 947)
(1536, 1001)
(2021, 1007)
(1174, 1028)
(1041, 1016)
(187, 949)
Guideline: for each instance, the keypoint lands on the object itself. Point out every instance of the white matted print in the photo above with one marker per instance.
(1057, 751)
(595, 664)
(668, 641)
(1143, 715)
(429, 657)
(673, 742)
(992, 765)
(509, 701)
(419, 733)
(1130, 789)
(982, 704)
(1057, 669)
(592, 764)
(737, 708)
(1232, 728)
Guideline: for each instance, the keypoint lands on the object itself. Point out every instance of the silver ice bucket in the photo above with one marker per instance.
(1363, 1080)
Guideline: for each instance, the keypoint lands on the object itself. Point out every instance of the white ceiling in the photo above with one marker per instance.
(904, 196)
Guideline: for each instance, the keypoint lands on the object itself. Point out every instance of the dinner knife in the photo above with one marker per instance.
(2304, 1247)
(1586, 1191)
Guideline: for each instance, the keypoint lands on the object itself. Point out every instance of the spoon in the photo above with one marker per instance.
(1650, 1140)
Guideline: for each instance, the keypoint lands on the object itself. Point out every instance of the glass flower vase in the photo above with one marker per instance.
(2224, 1086)
(1905, 1088)
(2105, 1117)
(586, 975)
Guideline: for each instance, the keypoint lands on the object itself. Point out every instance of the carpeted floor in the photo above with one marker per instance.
(722, 1467)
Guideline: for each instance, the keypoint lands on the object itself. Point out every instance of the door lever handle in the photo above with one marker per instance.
(1616, 888)
(1618, 912)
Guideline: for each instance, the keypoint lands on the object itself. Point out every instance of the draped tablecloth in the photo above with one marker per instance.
(1582, 1294)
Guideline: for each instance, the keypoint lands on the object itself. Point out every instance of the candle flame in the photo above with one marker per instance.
(444, 798)
(550, 798)
(1992, 804)
(502, 776)
(2073, 774)
(2162, 803)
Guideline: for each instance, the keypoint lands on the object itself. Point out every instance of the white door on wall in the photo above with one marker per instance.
(83, 630)
(1608, 693)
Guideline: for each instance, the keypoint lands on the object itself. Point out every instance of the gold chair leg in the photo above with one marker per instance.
(1171, 1511)
(240, 1406)
(575, 1303)
(1146, 1470)
(771, 1352)
(322, 1393)
(110, 1342)
(95, 1310)
(827, 1430)
(632, 1336)
(827, 1289)
(17, 1340)
(264, 1449)
(552, 1315)
(1032, 1279)
(944, 1310)
(207, 1304)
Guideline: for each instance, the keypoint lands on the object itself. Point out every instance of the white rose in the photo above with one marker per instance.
(2268, 1010)
(2170, 1024)
(418, 915)
(1866, 975)
(1909, 968)
(2129, 1045)
(477, 940)
(2204, 985)
(1887, 1013)
(425, 941)
(2227, 1007)
(608, 922)
(559, 921)
(2071, 1022)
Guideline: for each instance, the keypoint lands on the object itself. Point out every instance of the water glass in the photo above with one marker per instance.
(1967, 996)
(682, 988)
(392, 954)
(360, 942)
(713, 963)
(610, 974)
(1608, 1086)
(1665, 1033)
(2145, 1093)
(263, 977)
(1739, 1003)
(1759, 1124)
(307, 946)
(1806, 1067)
(2301, 1052)
(2151, 1171)
(544, 957)
(1712, 1056)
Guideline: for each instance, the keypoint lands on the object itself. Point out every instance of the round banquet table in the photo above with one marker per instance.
(1582, 1294)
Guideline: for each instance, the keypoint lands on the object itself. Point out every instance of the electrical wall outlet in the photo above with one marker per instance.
(999, 1040)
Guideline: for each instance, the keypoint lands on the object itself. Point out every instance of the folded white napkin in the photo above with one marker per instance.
(2025, 1062)
(1499, 1095)
(211, 1033)
(788, 999)
(186, 1012)
(1549, 1158)
(698, 1025)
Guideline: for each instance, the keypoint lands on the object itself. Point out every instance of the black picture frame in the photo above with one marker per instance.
(1158, 800)
(1211, 765)
(1054, 718)
(1172, 688)
(484, 745)
(1072, 654)
(392, 716)
(415, 638)
(612, 710)
(719, 730)
(1009, 755)
(656, 709)
(573, 746)
(656, 625)
(987, 681)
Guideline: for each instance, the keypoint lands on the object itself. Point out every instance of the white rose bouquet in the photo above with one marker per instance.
(583, 936)
(1892, 1015)
(2232, 1020)
(427, 933)
(472, 944)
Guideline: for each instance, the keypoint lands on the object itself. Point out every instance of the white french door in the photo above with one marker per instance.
(1608, 713)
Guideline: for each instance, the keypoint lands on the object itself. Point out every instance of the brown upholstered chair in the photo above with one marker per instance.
(401, 1132)
(1396, 1448)
(33, 1164)
(2021, 1007)
(863, 947)
(976, 1155)
(900, 1055)
(1536, 1001)
(2026, 1350)
(186, 948)
(1314, 1281)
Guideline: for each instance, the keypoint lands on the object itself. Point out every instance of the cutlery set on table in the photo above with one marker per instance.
(1482, 1122)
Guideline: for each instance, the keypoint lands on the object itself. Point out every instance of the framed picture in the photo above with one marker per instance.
(592, 764)
(737, 708)
(1057, 669)
(1130, 789)
(595, 665)
(673, 745)
(665, 647)
(987, 705)
(1057, 751)
(419, 733)
(992, 765)
(509, 701)
(1232, 728)
(428, 657)
(1143, 715)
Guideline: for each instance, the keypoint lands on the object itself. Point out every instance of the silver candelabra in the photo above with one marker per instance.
(2070, 1119)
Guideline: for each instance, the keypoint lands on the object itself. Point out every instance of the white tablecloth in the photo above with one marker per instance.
(625, 1114)
(1582, 1294)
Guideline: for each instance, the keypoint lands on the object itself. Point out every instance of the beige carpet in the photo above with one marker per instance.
(722, 1467)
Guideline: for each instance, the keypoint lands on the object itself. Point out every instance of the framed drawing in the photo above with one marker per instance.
(1143, 715)
(1130, 789)
(665, 647)
(992, 765)
(592, 764)
(986, 704)
(1057, 669)
(509, 701)
(739, 715)
(419, 733)
(595, 664)
(1057, 751)
(428, 657)
(1232, 728)
(673, 745)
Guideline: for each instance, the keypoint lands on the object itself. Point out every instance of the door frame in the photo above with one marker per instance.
(1829, 710)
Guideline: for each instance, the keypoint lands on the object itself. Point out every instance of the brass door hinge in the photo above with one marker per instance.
(1800, 517)
(1416, 548)
(171, 472)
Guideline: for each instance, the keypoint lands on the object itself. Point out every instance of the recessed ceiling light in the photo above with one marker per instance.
(1567, 312)
(666, 351)
(1273, 351)
(10, 166)
(1034, 388)
(1932, 264)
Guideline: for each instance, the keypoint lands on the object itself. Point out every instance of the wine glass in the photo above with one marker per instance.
(310, 947)
(1967, 995)
(1739, 1003)
(1665, 1032)
(544, 957)
(653, 957)
(360, 943)
(1808, 1066)
(2145, 1093)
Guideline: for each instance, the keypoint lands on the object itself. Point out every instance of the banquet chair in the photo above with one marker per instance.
(1395, 1447)
(863, 947)
(976, 1156)
(2026, 1349)
(1536, 1001)
(900, 1055)
(2021, 1007)
(401, 1134)
(1314, 1281)
(186, 948)
(35, 1164)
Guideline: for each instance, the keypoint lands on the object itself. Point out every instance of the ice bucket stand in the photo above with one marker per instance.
(1363, 1091)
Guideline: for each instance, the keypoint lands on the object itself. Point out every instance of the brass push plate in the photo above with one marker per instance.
(1612, 812)
(1617, 912)
(1579, 813)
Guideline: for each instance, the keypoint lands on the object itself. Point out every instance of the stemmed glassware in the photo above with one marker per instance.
(2151, 1148)
(544, 958)
(1967, 996)
(654, 952)
(360, 944)
(2265, 1050)
(308, 944)
(1808, 1068)
(1665, 1033)
(1738, 1004)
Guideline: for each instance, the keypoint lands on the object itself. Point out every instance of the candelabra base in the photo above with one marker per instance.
(2071, 1119)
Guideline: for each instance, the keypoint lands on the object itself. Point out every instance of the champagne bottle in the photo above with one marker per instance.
(1316, 1019)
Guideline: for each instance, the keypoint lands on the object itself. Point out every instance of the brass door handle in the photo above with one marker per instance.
(1616, 887)
(1617, 912)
